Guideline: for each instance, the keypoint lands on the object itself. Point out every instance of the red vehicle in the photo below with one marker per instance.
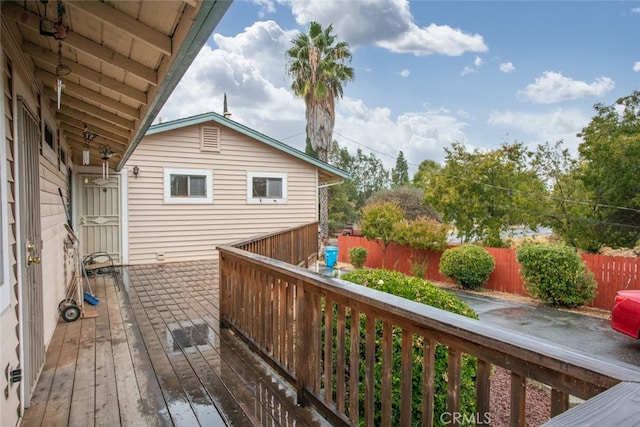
(625, 316)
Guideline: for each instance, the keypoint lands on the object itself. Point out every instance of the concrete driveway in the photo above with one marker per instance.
(587, 334)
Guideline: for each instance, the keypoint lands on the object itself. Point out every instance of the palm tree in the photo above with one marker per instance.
(317, 66)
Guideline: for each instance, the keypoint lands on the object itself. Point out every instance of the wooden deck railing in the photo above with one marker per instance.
(322, 335)
(297, 246)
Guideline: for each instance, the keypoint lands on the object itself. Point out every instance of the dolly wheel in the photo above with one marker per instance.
(65, 302)
(71, 313)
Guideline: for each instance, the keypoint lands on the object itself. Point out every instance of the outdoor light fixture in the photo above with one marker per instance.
(136, 171)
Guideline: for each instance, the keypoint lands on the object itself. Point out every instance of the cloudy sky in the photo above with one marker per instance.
(427, 73)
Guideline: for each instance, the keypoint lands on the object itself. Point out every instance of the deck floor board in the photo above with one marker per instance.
(155, 356)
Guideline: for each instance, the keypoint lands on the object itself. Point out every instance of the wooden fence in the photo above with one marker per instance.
(612, 273)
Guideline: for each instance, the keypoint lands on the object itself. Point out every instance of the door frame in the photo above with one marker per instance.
(28, 312)
(76, 203)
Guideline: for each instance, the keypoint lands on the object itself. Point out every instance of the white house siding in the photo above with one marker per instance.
(56, 261)
(16, 82)
(9, 344)
(175, 232)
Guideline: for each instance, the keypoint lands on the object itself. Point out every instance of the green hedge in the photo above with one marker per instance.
(357, 256)
(556, 274)
(419, 290)
(469, 265)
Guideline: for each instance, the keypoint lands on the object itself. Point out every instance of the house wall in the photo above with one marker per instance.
(174, 232)
(17, 81)
(56, 259)
(9, 344)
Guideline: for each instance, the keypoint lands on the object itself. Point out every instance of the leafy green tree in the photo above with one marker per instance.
(569, 210)
(426, 171)
(422, 234)
(317, 65)
(378, 223)
(409, 198)
(485, 193)
(610, 154)
(400, 173)
(370, 176)
(343, 198)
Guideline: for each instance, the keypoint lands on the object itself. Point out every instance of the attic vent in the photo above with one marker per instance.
(209, 138)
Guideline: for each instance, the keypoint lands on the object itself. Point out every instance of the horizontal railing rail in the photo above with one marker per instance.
(297, 246)
(336, 343)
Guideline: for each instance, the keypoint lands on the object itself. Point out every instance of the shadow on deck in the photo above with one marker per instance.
(155, 356)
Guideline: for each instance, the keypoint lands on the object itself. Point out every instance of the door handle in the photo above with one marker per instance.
(31, 248)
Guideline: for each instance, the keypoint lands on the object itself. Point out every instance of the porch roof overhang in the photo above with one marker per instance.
(125, 58)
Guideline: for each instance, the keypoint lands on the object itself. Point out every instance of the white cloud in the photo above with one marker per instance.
(267, 6)
(250, 69)
(507, 67)
(405, 73)
(635, 10)
(554, 87)
(636, 66)
(419, 135)
(387, 24)
(468, 70)
(543, 127)
(477, 63)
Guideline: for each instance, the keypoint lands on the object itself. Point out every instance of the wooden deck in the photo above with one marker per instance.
(155, 356)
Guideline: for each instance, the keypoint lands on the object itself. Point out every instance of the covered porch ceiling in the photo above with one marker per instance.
(117, 62)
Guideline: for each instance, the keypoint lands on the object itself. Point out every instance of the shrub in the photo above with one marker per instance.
(419, 269)
(357, 256)
(556, 274)
(422, 291)
(469, 265)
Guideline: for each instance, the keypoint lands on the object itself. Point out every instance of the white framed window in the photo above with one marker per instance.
(266, 187)
(49, 145)
(188, 186)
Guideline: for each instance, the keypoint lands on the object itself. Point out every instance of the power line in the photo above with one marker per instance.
(497, 187)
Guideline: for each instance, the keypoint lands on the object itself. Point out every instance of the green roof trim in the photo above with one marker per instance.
(217, 118)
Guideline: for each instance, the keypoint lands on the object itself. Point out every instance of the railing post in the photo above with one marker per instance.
(518, 400)
(224, 292)
(307, 342)
(559, 402)
(301, 349)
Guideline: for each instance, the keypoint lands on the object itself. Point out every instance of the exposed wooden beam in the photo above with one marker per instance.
(104, 132)
(86, 73)
(75, 103)
(93, 122)
(192, 3)
(86, 45)
(124, 22)
(101, 140)
(95, 157)
(50, 80)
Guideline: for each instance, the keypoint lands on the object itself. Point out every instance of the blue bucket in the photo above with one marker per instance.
(330, 256)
